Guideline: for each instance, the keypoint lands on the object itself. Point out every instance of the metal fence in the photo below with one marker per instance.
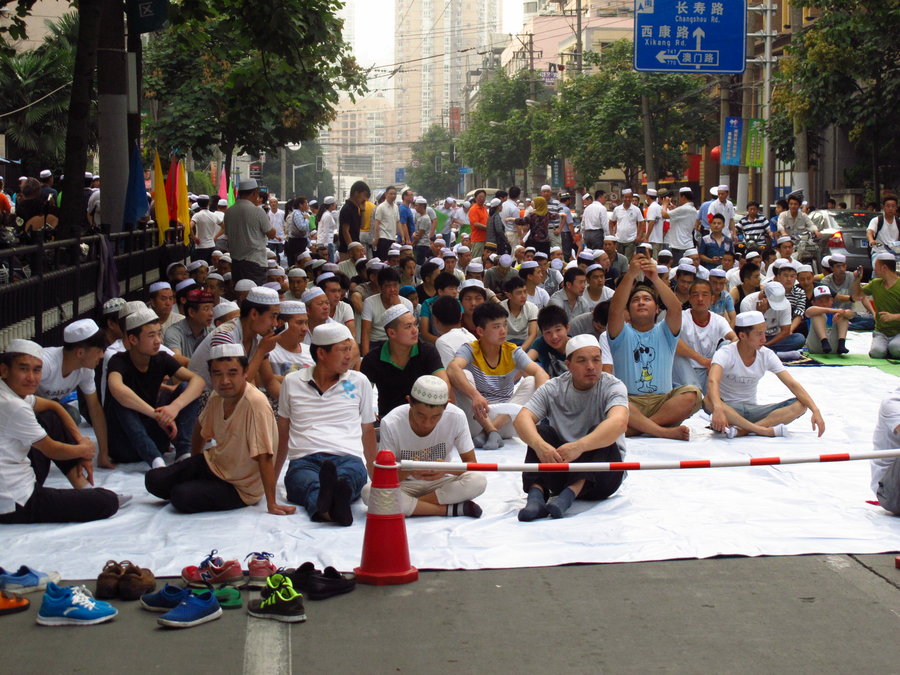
(64, 280)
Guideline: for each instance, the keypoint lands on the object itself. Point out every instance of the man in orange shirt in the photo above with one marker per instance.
(478, 218)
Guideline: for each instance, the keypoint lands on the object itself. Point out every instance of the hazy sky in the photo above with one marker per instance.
(374, 44)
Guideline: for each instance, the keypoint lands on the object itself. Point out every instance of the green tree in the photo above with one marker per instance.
(597, 119)
(498, 140)
(844, 69)
(433, 172)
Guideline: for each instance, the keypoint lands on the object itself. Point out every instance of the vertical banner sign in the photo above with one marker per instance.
(754, 146)
(733, 141)
(556, 173)
(568, 173)
(455, 120)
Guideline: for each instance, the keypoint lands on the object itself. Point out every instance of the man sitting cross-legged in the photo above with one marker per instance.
(643, 351)
(239, 469)
(587, 411)
(733, 377)
(428, 429)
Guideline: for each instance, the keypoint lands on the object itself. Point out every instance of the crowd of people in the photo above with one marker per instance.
(300, 343)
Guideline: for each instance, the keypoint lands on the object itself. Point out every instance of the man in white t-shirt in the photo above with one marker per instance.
(203, 229)
(446, 315)
(654, 222)
(627, 223)
(595, 222)
(773, 304)
(509, 212)
(883, 230)
(682, 221)
(387, 224)
(326, 429)
(701, 334)
(725, 208)
(429, 429)
(886, 472)
(733, 378)
(34, 431)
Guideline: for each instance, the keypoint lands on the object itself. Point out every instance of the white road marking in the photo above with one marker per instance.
(267, 647)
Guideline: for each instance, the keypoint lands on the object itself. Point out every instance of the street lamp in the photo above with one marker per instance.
(294, 168)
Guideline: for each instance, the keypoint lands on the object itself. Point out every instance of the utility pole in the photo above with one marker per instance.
(768, 8)
(283, 154)
(801, 151)
(649, 164)
(579, 48)
(112, 104)
(743, 185)
(724, 86)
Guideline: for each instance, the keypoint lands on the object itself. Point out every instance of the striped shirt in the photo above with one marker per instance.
(754, 230)
(495, 384)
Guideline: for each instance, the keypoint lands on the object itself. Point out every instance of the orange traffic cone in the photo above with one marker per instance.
(385, 554)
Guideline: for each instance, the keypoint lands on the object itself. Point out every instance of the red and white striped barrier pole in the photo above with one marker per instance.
(407, 465)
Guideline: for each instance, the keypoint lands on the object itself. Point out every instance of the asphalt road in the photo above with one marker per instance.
(799, 614)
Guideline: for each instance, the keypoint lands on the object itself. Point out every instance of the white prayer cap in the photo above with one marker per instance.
(203, 197)
(782, 262)
(46, 173)
(196, 265)
(450, 200)
(646, 246)
(662, 269)
(227, 276)
(263, 296)
(571, 264)
(714, 191)
(28, 347)
(88, 174)
(438, 261)
(131, 308)
(689, 269)
(292, 307)
(330, 267)
(474, 268)
(223, 308)
(330, 334)
(448, 253)
(506, 260)
(556, 249)
(113, 305)
(312, 294)
(140, 318)
(665, 251)
(430, 390)
(529, 264)
(723, 188)
(610, 237)
(325, 276)
(753, 318)
(184, 285)
(215, 276)
(296, 273)
(540, 255)
(556, 264)
(463, 249)
(530, 248)
(626, 191)
(217, 253)
(651, 192)
(272, 285)
(519, 247)
(222, 202)
(783, 240)
(546, 187)
(580, 342)
(173, 265)
(271, 262)
(270, 254)
(886, 257)
(225, 258)
(393, 312)
(775, 293)
(440, 240)
(354, 244)
(684, 189)
(421, 200)
(819, 291)
(494, 202)
(316, 264)
(718, 273)
(275, 271)
(835, 258)
(244, 285)
(80, 330)
(328, 201)
(393, 251)
(593, 267)
(226, 351)
(691, 251)
(752, 255)
(586, 254)
(805, 268)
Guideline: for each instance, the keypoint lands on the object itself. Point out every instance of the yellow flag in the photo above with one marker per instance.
(184, 209)
(161, 207)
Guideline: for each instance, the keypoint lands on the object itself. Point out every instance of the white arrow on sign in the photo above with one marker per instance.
(662, 57)
(699, 35)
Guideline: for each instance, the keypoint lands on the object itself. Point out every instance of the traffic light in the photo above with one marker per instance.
(320, 164)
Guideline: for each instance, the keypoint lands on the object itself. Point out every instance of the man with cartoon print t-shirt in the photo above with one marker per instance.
(643, 351)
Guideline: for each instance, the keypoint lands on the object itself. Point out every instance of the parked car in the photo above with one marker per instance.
(844, 232)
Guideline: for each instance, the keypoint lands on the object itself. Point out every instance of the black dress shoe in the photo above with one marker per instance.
(316, 585)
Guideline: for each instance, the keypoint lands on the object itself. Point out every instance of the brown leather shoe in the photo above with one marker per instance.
(108, 581)
(135, 581)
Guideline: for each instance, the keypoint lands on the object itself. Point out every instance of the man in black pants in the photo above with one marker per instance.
(239, 469)
(587, 411)
(34, 431)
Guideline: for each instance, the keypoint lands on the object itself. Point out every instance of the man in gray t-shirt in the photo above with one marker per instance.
(248, 229)
(580, 416)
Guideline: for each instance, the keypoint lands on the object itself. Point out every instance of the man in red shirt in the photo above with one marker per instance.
(478, 218)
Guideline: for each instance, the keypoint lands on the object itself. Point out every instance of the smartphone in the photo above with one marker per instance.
(279, 329)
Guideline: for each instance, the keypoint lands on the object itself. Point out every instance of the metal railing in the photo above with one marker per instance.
(64, 280)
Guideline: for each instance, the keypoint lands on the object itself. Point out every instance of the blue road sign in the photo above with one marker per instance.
(463, 170)
(690, 36)
(400, 175)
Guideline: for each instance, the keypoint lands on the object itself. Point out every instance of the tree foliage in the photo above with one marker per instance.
(309, 182)
(435, 143)
(844, 69)
(597, 120)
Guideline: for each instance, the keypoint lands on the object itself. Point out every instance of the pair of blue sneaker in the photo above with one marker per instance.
(183, 609)
(73, 606)
(26, 580)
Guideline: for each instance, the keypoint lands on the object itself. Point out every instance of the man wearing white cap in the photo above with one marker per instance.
(355, 252)
(27, 446)
(72, 367)
(203, 229)
(292, 349)
(428, 428)
(682, 222)
(326, 429)
(374, 307)
(139, 428)
(225, 311)
(655, 234)
(595, 222)
(239, 470)
(327, 226)
(248, 230)
(424, 231)
(776, 310)
(885, 294)
(509, 214)
(401, 360)
(828, 324)
(318, 309)
(497, 276)
(587, 416)
(627, 223)
(733, 378)
(839, 282)
(276, 220)
(723, 207)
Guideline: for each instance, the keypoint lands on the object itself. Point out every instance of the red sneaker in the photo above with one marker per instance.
(213, 570)
(260, 568)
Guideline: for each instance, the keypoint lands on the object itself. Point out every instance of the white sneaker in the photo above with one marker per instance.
(730, 431)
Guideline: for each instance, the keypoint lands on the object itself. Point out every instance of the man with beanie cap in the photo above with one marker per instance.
(27, 446)
(139, 428)
(587, 415)
(428, 428)
(495, 278)
(326, 428)
(734, 375)
(239, 469)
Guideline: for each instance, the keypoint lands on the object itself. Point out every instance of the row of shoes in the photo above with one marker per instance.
(215, 570)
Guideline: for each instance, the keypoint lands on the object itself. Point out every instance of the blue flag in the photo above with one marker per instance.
(136, 203)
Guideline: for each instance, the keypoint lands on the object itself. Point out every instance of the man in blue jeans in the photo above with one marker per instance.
(140, 429)
(326, 428)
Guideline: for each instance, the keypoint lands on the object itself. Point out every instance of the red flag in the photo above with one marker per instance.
(172, 189)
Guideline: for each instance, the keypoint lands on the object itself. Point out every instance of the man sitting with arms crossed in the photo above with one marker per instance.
(643, 351)
(733, 378)
(27, 446)
(326, 428)
(587, 411)
(701, 333)
(239, 469)
(428, 429)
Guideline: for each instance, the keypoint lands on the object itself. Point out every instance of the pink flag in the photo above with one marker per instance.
(223, 185)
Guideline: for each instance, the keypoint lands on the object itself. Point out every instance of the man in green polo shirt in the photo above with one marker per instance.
(395, 366)
(884, 292)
